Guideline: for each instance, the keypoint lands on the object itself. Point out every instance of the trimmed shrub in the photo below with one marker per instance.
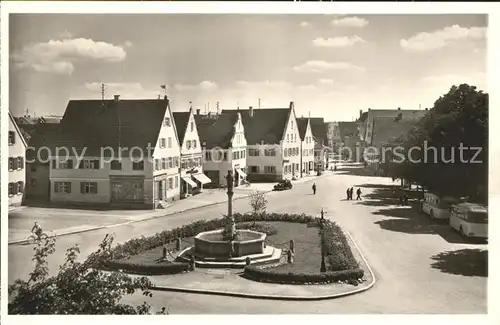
(269, 275)
(260, 227)
(146, 268)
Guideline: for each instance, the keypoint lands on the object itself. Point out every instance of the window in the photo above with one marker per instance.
(11, 163)
(85, 164)
(176, 182)
(88, 187)
(62, 187)
(138, 165)
(166, 121)
(183, 164)
(163, 163)
(157, 164)
(194, 144)
(19, 163)
(170, 183)
(188, 144)
(270, 152)
(116, 165)
(288, 138)
(170, 142)
(225, 156)
(208, 155)
(162, 143)
(254, 169)
(176, 161)
(243, 153)
(253, 152)
(289, 152)
(269, 169)
(64, 164)
(192, 126)
(33, 168)
(20, 187)
(170, 162)
(11, 189)
(291, 124)
(285, 152)
(33, 182)
(12, 137)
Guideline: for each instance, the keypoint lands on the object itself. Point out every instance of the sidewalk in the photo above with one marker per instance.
(60, 222)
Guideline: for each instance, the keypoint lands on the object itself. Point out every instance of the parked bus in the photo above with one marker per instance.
(437, 207)
(470, 220)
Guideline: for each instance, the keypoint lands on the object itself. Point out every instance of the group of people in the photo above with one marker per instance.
(350, 193)
(403, 199)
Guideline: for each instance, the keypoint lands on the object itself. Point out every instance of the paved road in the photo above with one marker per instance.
(399, 244)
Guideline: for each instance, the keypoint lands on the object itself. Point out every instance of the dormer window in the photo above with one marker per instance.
(188, 144)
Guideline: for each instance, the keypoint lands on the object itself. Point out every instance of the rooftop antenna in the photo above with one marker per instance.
(259, 103)
(238, 105)
(102, 91)
(309, 114)
(208, 106)
(419, 106)
(164, 87)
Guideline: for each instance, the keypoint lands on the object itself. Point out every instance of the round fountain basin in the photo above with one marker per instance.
(248, 242)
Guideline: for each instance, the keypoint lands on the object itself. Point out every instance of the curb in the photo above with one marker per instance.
(24, 241)
(279, 297)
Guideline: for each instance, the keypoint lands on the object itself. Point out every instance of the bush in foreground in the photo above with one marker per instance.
(78, 288)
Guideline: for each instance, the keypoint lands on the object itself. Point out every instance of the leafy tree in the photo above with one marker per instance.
(458, 119)
(258, 202)
(78, 288)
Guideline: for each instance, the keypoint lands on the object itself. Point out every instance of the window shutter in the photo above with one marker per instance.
(11, 163)
(13, 137)
(97, 164)
(54, 164)
(81, 165)
(20, 187)
(94, 189)
(70, 163)
(22, 162)
(10, 189)
(69, 187)
(82, 187)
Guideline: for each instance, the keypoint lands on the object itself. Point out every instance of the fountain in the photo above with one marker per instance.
(229, 247)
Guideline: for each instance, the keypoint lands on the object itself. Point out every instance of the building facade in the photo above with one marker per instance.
(224, 148)
(191, 160)
(16, 163)
(307, 146)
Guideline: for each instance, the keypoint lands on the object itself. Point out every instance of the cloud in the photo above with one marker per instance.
(204, 86)
(65, 35)
(476, 78)
(304, 24)
(127, 43)
(266, 84)
(322, 66)
(326, 82)
(350, 22)
(428, 41)
(307, 87)
(342, 41)
(60, 56)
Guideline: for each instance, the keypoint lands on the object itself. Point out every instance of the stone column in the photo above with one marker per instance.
(231, 227)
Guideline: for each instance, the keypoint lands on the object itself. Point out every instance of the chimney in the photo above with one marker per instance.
(117, 98)
(360, 112)
(399, 108)
(426, 109)
(369, 109)
(250, 111)
(197, 111)
(165, 97)
(292, 105)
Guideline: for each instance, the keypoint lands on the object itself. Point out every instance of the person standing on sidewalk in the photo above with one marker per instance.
(314, 188)
(351, 193)
(348, 194)
(358, 192)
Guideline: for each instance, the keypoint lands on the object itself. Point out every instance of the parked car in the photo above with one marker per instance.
(283, 185)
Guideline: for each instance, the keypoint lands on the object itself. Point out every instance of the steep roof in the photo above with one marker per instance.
(19, 132)
(387, 129)
(216, 132)
(319, 129)
(348, 129)
(97, 124)
(181, 120)
(43, 136)
(302, 126)
(267, 125)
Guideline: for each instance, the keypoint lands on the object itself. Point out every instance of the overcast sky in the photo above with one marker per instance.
(330, 65)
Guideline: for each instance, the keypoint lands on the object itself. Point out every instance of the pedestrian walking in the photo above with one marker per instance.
(351, 195)
(358, 192)
(314, 189)
(348, 194)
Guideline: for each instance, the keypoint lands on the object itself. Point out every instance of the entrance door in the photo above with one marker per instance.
(160, 190)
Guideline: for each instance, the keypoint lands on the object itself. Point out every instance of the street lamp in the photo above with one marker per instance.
(323, 264)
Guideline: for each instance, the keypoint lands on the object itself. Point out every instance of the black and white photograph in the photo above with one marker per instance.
(245, 163)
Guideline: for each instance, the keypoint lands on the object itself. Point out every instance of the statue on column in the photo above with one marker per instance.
(230, 181)
(230, 230)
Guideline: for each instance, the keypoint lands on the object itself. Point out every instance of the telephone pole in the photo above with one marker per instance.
(323, 264)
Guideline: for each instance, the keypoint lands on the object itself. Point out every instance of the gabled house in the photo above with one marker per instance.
(42, 142)
(307, 146)
(350, 141)
(16, 163)
(224, 147)
(106, 153)
(191, 171)
(273, 143)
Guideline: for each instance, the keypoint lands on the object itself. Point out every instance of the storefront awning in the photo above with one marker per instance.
(189, 181)
(202, 178)
(242, 173)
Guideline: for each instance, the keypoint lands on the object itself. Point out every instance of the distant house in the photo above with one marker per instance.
(110, 146)
(224, 147)
(350, 141)
(377, 128)
(191, 172)
(307, 146)
(42, 142)
(273, 143)
(320, 132)
(17, 162)
(333, 139)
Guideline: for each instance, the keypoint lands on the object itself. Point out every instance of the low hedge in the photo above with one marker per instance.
(260, 227)
(271, 276)
(145, 268)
